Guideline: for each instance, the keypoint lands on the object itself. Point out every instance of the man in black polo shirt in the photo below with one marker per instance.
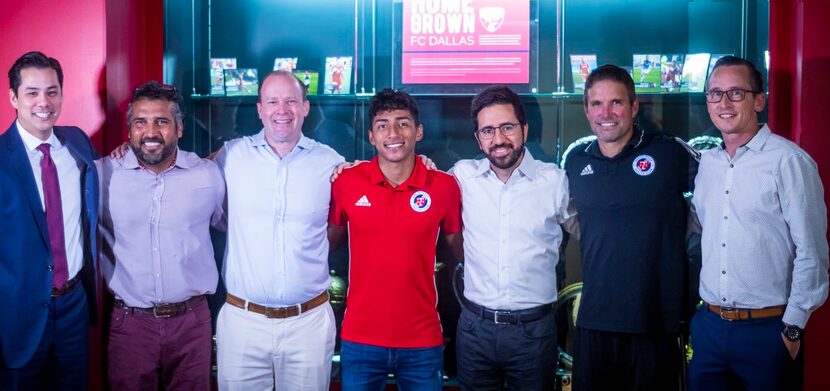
(628, 189)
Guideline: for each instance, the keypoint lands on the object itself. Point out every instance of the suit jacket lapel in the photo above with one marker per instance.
(18, 159)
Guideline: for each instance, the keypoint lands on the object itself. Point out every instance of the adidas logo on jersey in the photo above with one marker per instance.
(587, 170)
(363, 201)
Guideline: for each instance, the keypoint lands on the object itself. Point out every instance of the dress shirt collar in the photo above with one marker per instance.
(527, 167)
(31, 142)
(417, 180)
(757, 142)
(258, 140)
(130, 161)
(635, 142)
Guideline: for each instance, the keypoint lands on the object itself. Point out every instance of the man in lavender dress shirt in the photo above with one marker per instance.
(157, 204)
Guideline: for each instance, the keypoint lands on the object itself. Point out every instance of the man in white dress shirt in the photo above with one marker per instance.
(513, 208)
(765, 258)
(276, 330)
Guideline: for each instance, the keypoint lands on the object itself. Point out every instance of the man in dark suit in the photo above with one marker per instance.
(48, 210)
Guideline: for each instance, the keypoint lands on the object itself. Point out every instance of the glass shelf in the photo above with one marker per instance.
(255, 32)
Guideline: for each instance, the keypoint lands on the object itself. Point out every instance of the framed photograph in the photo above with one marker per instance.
(646, 72)
(712, 60)
(581, 67)
(310, 79)
(242, 81)
(694, 72)
(671, 71)
(217, 74)
(338, 76)
(285, 64)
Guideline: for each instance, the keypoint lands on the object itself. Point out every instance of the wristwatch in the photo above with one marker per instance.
(793, 333)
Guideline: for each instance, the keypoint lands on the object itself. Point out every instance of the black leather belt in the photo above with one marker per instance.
(163, 310)
(508, 317)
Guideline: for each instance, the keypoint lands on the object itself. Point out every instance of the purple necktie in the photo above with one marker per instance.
(54, 215)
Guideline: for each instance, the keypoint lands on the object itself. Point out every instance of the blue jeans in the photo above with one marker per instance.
(365, 367)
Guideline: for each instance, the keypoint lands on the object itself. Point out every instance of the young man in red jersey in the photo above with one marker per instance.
(393, 208)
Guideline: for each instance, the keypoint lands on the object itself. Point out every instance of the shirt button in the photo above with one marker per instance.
(725, 218)
(50, 268)
(727, 192)
(723, 244)
(731, 166)
(723, 299)
(723, 272)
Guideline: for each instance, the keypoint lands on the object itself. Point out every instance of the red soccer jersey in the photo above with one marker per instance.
(392, 297)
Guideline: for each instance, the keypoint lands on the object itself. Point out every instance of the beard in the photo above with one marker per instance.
(153, 158)
(507, 161)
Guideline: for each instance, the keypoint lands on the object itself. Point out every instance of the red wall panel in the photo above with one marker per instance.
(106, 48)
(799, 84)
(72, 32)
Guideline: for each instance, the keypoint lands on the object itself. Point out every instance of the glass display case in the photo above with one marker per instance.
(380, 37)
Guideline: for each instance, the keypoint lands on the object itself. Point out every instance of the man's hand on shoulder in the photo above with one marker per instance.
(342, 166)
(119, 151)
(428, 162)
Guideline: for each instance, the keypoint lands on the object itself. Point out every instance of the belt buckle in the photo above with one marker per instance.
(732, 311)
(163, 313)
(276, 312)
(496, 316)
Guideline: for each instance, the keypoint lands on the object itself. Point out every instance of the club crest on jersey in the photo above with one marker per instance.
(643, 165)
(420, 201)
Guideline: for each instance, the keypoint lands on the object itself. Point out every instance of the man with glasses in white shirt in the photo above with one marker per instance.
(513, 208)
(765, 256)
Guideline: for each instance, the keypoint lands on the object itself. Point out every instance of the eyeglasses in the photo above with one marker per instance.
(507, 129)
(734, 95)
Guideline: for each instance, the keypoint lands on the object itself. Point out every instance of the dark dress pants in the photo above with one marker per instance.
(60, 361)
(622, 361)
(489, 355)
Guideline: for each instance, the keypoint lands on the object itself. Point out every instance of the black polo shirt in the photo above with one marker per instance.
(633, 220)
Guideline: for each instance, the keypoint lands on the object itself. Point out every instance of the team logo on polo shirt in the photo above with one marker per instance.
(643, 165)
(420, 201)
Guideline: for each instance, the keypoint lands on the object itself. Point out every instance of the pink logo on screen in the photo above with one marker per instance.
(420, 201)
(491, 18)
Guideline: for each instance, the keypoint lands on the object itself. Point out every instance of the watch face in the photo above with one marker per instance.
(792, 333)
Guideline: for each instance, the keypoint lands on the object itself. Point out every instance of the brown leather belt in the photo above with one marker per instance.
(163, 310)
(278, 312)
(66, 287)
(746, 314)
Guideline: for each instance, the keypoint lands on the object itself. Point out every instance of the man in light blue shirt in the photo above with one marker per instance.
(277, 328)
(765, 257)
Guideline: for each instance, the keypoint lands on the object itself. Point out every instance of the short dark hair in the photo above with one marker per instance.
(388, 99)
(755, 79)
(33, 59)
(497, 95)
(153, 90)
(280, 72)
(613, 73)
